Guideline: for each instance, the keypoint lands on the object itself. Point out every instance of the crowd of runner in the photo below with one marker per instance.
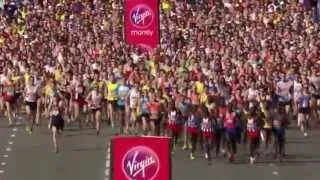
(226, 72)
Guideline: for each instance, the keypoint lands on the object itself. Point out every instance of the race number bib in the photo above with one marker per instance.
(276, 123)
(205, 125)
(305, 103)
(55, 112)
(251, 126)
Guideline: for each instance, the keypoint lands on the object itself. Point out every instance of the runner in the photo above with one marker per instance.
(266, 133)
(278, 127)
(134, 98)
(314, 80)
(230, 125)
(174, 126)
(39, 83)
(94, 99)
(253, 133)
(9, 98)
(297, 92)
(165, 98)
(79, 103)
(56, 122)
(3, 80)
(193, 124)
(185, 109)
(144, 113)
(65, 88)
(154, 109)
(112, 99)
(207, 129)
(50, 90)
(304, 110)
(220, 129)
(122, 93)
(30, 97)
(284, 96)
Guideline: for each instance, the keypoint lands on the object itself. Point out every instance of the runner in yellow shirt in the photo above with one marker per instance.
(199, 87)
(27, 75)
(49, 93)
(204, 98)
(267, 127)
(166, 6)
(112, 99)
(58, 74)
(95, 83)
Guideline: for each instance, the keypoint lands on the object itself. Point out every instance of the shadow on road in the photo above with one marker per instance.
(80, 134)
(83, 149)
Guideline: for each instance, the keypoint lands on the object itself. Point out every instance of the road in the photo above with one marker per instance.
(82, 157)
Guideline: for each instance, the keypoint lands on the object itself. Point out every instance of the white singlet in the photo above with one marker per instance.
(133, 98)
(31, 94)
(96, 100)
(284, 88)
(297, 90)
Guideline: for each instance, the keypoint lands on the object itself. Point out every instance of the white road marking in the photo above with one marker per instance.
(108, 164)
(276, 173)
(8, 149)
(107, 171)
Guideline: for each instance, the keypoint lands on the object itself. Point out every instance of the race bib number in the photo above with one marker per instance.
(154, 116)
(206, 125)
(305, 103)
(80, 90)
(55, 112)
(206, 121)
(251, 125)
(276, 123)
(191, 122)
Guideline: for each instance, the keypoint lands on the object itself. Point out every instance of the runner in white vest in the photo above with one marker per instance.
(30, 98)
(284, 96)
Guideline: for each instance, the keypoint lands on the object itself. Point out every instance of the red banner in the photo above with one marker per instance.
(142, 23)
(140, 158)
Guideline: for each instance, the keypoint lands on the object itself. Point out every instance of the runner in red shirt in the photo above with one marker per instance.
(154, 109)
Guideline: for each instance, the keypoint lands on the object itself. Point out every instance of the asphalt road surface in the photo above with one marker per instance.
(83, 157)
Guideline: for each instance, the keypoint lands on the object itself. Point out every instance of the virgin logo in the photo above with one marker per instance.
(141, 16)
(140, 163)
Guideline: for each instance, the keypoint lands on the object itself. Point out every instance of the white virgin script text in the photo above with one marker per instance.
(139, 167)
(139, 18)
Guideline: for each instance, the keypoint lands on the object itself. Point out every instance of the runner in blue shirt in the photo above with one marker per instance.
(122, 93)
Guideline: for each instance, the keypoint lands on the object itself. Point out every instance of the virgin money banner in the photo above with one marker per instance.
(140, 158)
(141, 19)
